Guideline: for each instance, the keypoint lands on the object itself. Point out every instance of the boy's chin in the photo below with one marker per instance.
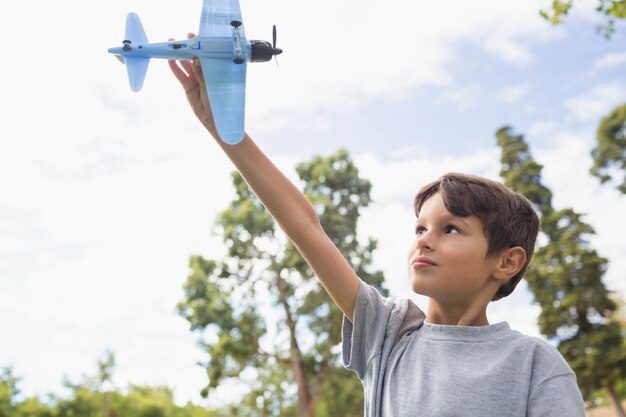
(419, 288)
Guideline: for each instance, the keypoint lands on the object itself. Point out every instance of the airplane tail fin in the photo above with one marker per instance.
(136, 67)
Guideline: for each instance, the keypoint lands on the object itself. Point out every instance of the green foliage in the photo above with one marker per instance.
(139, 401)
(263, 287)
(565, 278)
(558, 11)
(12, 406)
(8, 391)
(609, 155)
(611, 9)
(89, 399)
(33, 407)
(237, 327)
(106, 365)
(346, 399)
(518, 167)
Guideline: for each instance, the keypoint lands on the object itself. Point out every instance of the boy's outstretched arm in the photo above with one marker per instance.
(286, 203)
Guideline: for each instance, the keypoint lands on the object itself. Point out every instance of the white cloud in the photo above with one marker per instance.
(510, 51)
(514, 93)
(596, 102)
(542, 129)
(465, 97)
(336, 54)
(610, 60)
(101, 265)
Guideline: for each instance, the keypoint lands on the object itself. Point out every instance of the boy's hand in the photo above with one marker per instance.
(189, 73)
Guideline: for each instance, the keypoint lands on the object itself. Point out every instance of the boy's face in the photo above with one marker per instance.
(447, 261)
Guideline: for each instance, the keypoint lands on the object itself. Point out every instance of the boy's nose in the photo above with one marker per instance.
(424, 241)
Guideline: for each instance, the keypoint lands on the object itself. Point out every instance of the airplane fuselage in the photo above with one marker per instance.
(200, 46)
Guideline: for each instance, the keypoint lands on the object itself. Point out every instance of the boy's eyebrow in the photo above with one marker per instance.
(448, 217)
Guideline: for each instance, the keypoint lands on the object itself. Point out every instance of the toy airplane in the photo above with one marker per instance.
(223, 51)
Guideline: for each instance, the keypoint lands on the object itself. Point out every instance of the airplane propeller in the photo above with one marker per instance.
(276, 51)
(274, 36)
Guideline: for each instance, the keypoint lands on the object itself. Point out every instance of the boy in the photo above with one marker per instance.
(473, 241)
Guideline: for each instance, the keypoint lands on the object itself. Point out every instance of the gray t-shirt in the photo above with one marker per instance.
(410, 367)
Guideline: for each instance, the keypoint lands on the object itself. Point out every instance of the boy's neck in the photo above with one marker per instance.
(471, 315)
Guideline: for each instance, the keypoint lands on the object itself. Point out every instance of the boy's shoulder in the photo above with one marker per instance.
(547, 361)
(540, 347)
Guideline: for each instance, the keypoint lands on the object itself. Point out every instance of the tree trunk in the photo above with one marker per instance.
(615, 400)
(306, 404)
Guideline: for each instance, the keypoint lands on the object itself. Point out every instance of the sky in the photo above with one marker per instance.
(106, 193)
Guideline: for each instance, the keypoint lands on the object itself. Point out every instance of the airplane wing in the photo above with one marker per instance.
(226, 85)
(217, 15)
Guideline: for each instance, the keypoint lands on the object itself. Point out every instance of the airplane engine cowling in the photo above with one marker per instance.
(262, 51)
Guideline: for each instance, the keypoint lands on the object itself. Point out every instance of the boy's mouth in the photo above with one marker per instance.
(422, 262)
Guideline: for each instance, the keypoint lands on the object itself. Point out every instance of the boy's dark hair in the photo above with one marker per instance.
(508, 217)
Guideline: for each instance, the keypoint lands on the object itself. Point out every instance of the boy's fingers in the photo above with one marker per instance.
(176, 69)
(197, 70)
(184, 70)
(178, 72)
(186, 66)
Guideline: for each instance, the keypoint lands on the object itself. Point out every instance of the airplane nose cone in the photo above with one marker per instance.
(278, 51)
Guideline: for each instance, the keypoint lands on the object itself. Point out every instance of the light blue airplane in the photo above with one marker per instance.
(223, 51)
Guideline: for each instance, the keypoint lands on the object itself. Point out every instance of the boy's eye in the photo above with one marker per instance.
(452, 229)
(419, 230)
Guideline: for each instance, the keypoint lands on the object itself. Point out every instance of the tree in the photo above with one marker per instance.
(8, 391)
(11, 406)
(92, 391)
(105, 374)
(139, 401)
(611, 9)
(33, 407)
(287, 346)
(609, 155)
(89, 399)
(106, 365)
(566, 280)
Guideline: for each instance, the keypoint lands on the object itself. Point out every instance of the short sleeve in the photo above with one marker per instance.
(557, 396)
(364, 338)
(554, 390)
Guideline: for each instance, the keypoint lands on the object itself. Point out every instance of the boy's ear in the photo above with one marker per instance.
(511, 261)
